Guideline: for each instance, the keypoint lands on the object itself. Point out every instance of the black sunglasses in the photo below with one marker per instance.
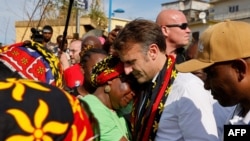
(182, 26)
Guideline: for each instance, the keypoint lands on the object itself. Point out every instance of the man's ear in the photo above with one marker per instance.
(165, 30)
(240, 66)
(153, 51)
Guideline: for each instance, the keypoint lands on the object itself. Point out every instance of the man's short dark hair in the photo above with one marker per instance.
(142, 31)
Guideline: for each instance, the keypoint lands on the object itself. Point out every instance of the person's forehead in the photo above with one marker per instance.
(75, 45)
(95, 58)
(47, 32)
(74, 50)
(130, 52)
(60, 39)
(176, 19)
(88, 42)
(216, 67)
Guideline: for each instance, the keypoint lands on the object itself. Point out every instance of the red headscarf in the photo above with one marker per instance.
(109, 68)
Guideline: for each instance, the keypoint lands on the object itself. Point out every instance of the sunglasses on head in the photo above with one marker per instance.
(182, 26)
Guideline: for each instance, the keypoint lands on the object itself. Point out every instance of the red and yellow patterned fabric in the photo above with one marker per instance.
(32, 61)
(109, 68)
(32, 110)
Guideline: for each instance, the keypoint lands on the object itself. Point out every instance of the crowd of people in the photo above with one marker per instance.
(145, 82)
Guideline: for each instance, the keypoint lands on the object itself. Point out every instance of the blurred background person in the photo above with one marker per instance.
(47, 33)
(174, 26)
(57, 50)
(92, 41)
(72, 70)
(108, 44)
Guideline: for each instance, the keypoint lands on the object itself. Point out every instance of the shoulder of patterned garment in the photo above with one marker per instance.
(32, 110)
(32, 61)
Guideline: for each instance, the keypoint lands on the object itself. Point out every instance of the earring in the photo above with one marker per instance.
(107, 89)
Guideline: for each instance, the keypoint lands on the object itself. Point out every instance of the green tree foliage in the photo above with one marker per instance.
(97, 15)
(57, 9)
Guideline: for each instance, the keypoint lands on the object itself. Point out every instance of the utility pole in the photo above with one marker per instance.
(77, 20)
(110, 14)
(79, 4)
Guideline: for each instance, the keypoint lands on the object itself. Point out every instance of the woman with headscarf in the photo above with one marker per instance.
(114, 91)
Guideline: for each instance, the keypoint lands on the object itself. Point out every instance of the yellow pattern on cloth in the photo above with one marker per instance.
(32, 110)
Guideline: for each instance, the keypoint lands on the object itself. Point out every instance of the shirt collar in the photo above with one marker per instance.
(238, 119)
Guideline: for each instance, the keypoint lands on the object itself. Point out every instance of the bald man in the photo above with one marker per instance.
(91, 40)
(175, 28)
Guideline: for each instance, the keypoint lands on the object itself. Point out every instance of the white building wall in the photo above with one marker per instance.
(217, 10)
(197, 5)
(221, 10)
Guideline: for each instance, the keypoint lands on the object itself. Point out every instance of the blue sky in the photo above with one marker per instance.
(16, 10)
(137, 8)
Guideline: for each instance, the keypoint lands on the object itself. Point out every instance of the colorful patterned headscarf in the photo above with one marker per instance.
(105, 70)
(32, 110)
(32, 60)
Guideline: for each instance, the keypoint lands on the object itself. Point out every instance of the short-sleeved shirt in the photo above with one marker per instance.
(112, 126)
